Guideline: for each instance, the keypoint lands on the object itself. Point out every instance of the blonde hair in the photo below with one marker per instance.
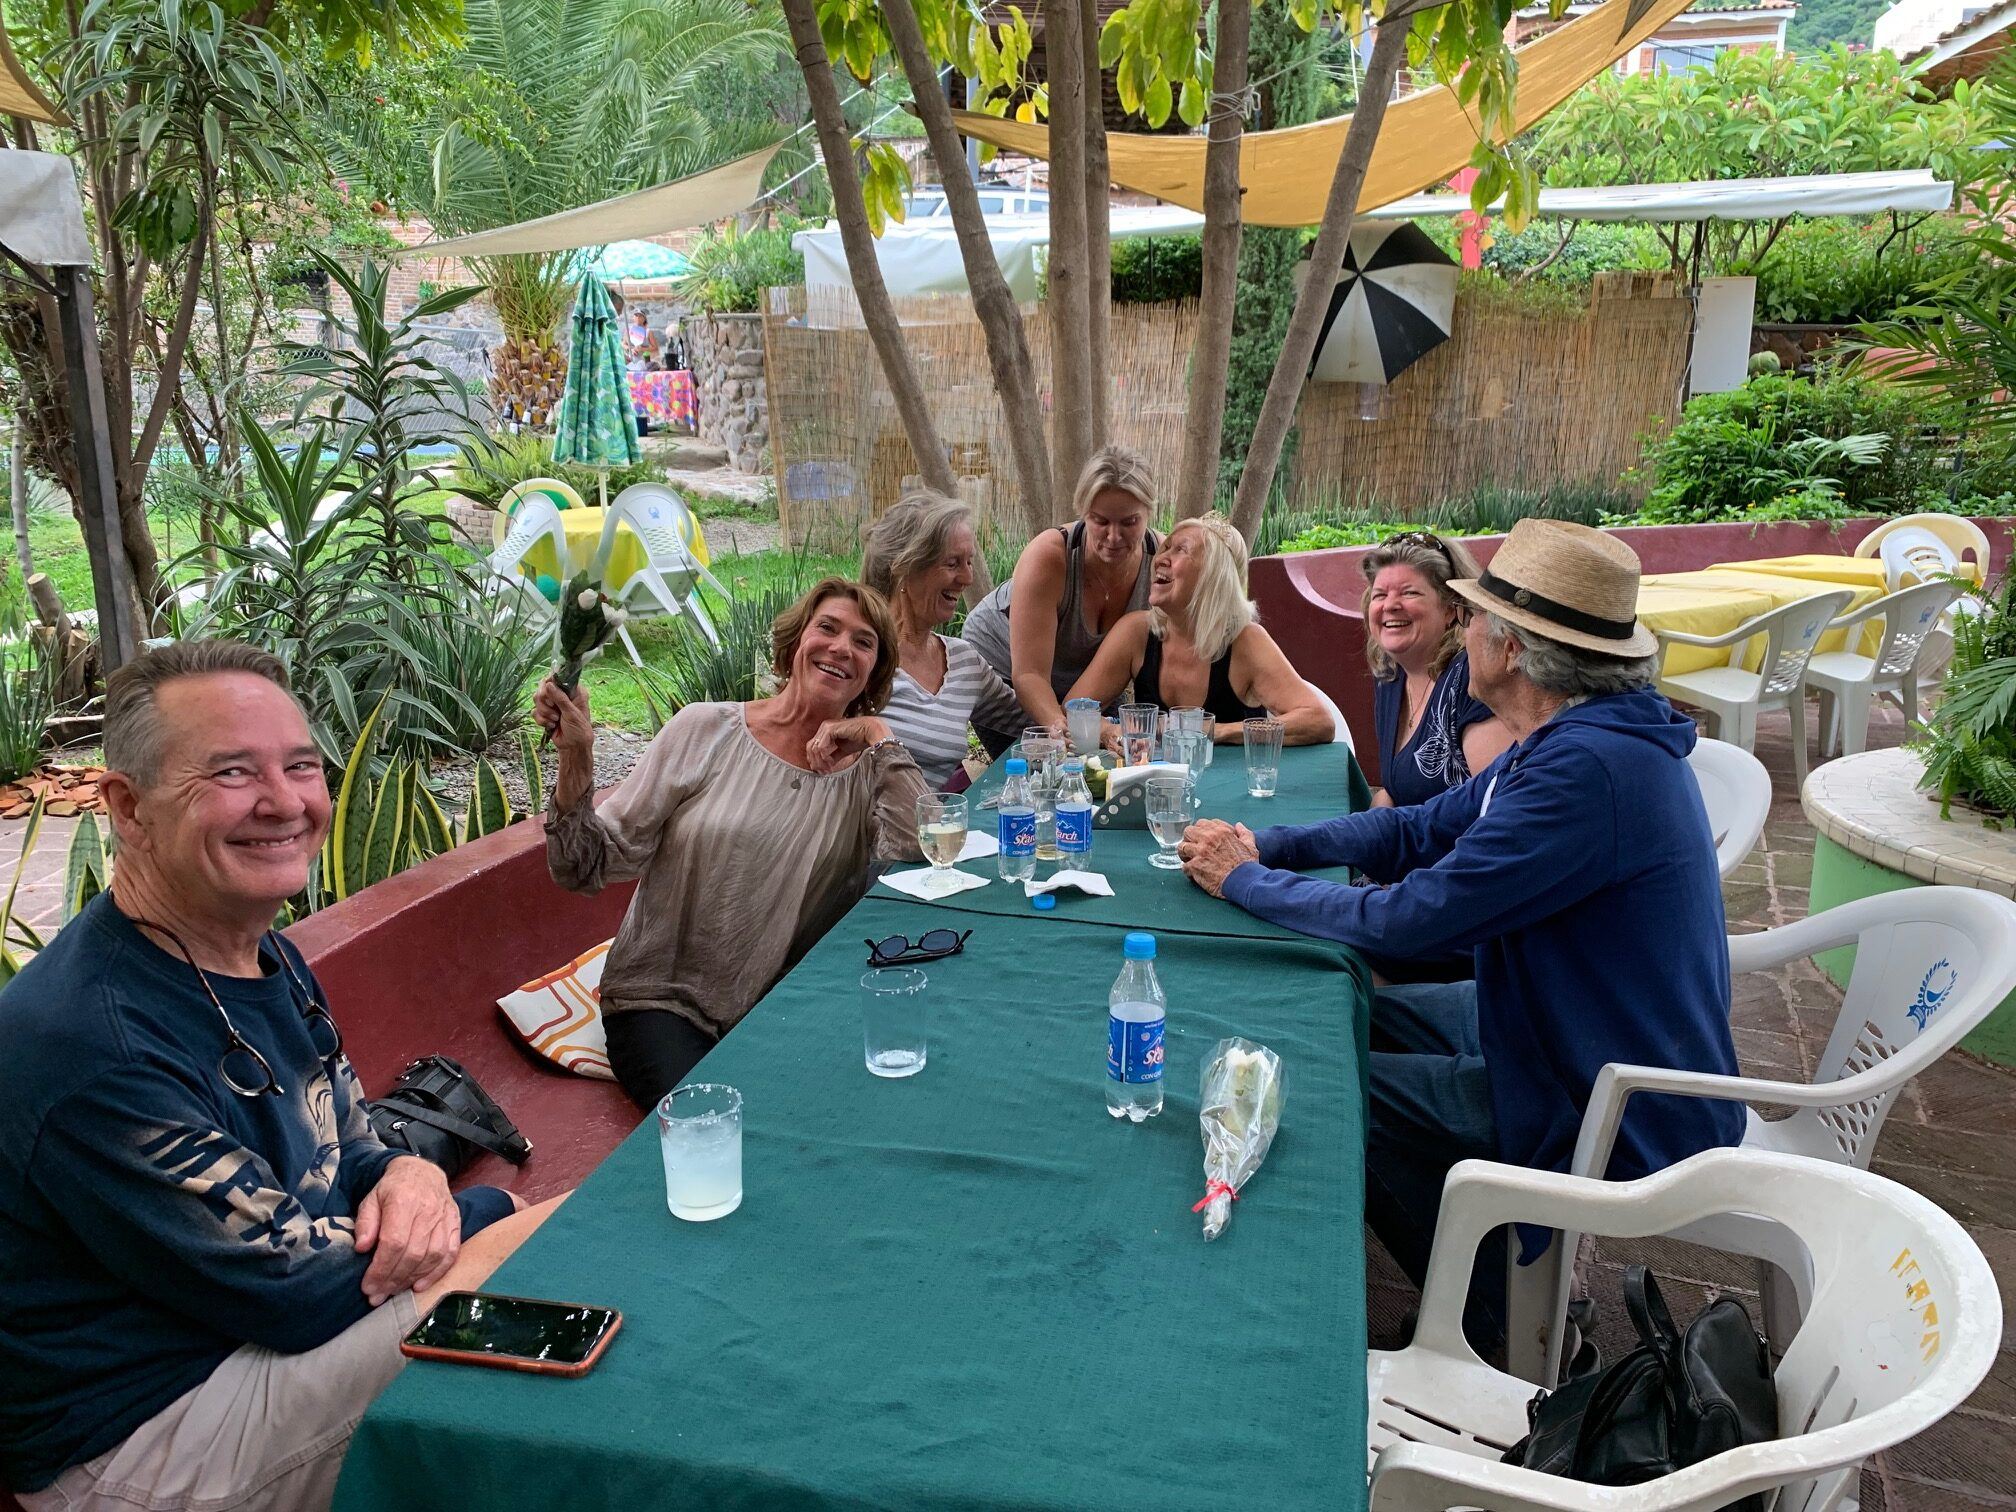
(1438, 560)
(788, 629)
(1219, 609)
(910, 537)
(1114, 467)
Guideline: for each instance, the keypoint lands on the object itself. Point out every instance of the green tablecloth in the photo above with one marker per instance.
(1317, 782)
(967, 1289)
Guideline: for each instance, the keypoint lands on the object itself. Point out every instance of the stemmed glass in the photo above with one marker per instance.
(1168, 817)
(941, 829)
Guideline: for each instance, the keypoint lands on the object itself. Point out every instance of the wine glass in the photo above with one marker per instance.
(1168, 817)
(941, 829)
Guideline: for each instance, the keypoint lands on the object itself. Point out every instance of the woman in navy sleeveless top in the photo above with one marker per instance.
(1432, 734)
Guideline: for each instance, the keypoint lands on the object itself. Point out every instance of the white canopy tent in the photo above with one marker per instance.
(923, 257)
(42, 238)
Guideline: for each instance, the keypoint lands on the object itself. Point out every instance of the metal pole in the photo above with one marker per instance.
(104, 537)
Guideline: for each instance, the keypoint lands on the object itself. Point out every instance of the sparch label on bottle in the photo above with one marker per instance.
(1017, 834)
(1134, 1051)
(1074, 830)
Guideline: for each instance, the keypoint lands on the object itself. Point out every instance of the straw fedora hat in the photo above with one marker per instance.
(1566, 583)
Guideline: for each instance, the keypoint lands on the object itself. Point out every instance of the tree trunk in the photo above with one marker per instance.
(1070, 306)
(1098, 233)
(877, 312)
(17, 499)
(1211, 356)
(993, 303)
(1326, 263)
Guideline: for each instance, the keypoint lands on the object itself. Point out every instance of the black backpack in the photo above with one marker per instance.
(1670, 1403)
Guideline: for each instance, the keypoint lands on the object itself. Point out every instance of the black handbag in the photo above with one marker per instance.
(438, 1111)
(1672, 1402)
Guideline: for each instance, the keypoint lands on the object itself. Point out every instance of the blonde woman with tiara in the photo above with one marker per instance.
(1199, 643)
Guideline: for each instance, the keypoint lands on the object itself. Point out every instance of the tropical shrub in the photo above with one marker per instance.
(1489, 509)
(27, 700)
(727, 271)
(1594, 247)
(1969, 741)
(1825, 272)
(494, 466)
(1155, 269)
(1733, 453)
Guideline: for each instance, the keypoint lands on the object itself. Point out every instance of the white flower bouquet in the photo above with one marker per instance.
(588, 618)
(1240, 1111)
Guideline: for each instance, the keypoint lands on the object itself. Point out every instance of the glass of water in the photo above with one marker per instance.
(1207, 726)
(1137, 733)
(700, 1135)
(894, 1010)
(941, 828)
(1083, 717)
(1263, 757)
(1168, 817)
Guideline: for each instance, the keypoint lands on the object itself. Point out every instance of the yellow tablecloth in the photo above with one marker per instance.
(584, 535)
(1718, 599)
(1820, 567)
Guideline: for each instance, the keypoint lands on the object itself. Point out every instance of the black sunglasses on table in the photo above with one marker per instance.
(932, 945)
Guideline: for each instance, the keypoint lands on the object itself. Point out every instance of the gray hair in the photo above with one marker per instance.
(1570, 671)
(910, 537)
(135, 740)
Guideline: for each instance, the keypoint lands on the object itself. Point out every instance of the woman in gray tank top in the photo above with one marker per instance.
(1071, 586)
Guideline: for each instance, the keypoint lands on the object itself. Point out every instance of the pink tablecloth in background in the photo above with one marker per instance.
(667, 398)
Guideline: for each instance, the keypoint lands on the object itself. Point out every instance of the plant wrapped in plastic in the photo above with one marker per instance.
(1240, 1110)
(588, 618)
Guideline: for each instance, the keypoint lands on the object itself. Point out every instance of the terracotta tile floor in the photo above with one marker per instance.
(1951, 1135)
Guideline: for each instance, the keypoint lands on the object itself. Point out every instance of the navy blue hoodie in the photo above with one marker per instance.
(1580, 868)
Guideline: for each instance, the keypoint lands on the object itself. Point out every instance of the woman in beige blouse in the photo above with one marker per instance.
(749, 826)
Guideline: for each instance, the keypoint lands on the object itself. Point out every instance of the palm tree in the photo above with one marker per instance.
(572, 101)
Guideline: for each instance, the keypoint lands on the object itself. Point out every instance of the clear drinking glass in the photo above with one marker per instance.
(941, 828)
(700, 1135)
(894, 1010)
(1207, 726)
(1168, 817)
(1044, 751)
(1137, 733)
(1263, 757)
(1082, 716)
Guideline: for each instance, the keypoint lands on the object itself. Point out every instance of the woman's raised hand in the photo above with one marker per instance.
(565, 717)
(839, 741)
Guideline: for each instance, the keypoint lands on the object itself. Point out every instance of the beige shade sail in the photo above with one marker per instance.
(698, 200)
(18, 94)
(1426, 137)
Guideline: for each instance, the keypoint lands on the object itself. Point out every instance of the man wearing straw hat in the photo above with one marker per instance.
(1578, 868)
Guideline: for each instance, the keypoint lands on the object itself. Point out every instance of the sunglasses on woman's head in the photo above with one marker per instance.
(1426, 538)
(932, 945)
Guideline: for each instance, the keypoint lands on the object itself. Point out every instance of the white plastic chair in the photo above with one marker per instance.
(1959, 535)
(536, 519)
(1930, 964)
(671, 574)
(1849, 682)
(550, 489)
(1731, 695)
(1906, 1322)
(1736, 791)
(1343, 735)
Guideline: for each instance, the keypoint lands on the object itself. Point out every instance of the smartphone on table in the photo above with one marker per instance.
(514, 1333)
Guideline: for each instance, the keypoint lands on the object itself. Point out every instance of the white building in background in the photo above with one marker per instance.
(1690, 40)
(1911, 25)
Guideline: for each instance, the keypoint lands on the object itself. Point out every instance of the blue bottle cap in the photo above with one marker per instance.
(1043, 902)
(1017, 767)
(1140, 946)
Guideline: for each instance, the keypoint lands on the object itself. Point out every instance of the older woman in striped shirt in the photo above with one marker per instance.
(920, 557)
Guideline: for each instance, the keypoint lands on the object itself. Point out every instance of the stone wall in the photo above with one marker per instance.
(727, 356)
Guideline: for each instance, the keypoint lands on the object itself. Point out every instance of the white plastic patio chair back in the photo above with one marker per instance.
(1915, 556)
(1930, 964)
(1905, 1323)
(671, 575)
(1960, 536)
(1343, 725)
(1849, 682)
(536, 519)
(1736, 791)
(1730, 695)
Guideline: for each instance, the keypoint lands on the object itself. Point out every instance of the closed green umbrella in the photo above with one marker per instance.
(597, 425)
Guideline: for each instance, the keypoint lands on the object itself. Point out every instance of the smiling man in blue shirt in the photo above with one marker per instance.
(207, 1258)
(1578, 868)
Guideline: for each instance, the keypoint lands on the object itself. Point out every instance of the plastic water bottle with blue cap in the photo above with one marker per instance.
(1136, 1014)
(1017, 824)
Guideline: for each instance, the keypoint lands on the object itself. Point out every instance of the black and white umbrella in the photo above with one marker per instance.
(1393, 303)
